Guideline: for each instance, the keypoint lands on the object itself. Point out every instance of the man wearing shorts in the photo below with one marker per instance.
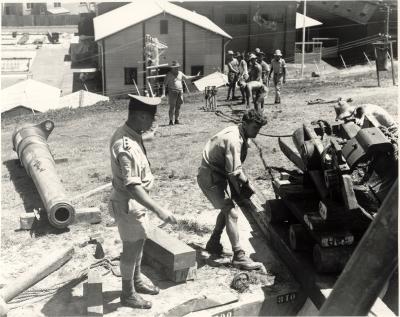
(221, 164)
(130, 200)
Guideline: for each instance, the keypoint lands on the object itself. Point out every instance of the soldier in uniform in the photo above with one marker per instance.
(130, 199)
(173, 86)
(255, 70)
(233, 72)
(278, 68)
(255, 91)
(221, 164)
(243, 74)
(264, 68)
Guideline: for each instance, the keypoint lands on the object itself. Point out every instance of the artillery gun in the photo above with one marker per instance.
(346, 172)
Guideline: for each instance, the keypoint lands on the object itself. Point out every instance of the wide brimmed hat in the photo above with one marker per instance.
(343, 110)
(230, 52)
(175, 64)
(278, 53)
(257, 50)
(142, 103)
(252, 56)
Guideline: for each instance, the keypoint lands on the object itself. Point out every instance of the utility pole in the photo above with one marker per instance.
(303, 46)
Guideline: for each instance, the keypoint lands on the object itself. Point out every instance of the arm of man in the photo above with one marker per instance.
(232, 69)
(134, 186)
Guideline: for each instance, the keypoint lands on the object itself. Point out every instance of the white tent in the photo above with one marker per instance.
(308, 21)
(216, 79)
(81, 98)
(31, 94)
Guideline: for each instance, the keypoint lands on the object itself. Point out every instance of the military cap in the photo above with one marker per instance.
(141, 103)
(252, 56)
(278, 53)
(230, 52)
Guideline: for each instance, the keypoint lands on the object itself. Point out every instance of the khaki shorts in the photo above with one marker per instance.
(214, 186)
(130, 216)
(175, 97)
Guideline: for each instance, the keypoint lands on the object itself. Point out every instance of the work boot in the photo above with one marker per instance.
(176, 121)
(130, 298)
(170, 122)
(278, 100)
(214, 247)
(146, 288)
(242, 262)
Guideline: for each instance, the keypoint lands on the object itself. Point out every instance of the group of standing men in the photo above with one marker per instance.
(253, 76)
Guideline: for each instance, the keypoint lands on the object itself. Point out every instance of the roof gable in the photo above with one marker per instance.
(136, 12)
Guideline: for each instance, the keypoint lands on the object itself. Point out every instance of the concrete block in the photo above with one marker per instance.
(94, 293)
(171, 252)
(90, 215)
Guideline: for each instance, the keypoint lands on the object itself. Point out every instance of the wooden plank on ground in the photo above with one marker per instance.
(176, 257)
(90, 215)
(94, 293)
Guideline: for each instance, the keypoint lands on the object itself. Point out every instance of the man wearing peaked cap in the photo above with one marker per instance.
(130, 199)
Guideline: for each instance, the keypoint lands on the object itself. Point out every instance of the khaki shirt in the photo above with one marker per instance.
(226, 151)
(255, 72)
(172, 82)
(278, 66)
(129, 164)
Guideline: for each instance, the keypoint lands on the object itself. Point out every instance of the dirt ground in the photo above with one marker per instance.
(82, 137)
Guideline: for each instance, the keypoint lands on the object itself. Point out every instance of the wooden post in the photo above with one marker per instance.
(391, 62)
(376, 64)
(364, 276)
(134, 82)
(344, 64)
(35, 273)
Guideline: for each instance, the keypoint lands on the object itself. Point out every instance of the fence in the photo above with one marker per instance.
(39, 20)
(312, 54)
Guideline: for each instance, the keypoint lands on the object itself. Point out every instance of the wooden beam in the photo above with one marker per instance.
(36, 272)
(177, 259)
(363, 278)
(94, 294)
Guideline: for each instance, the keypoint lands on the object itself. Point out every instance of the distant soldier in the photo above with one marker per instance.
(255, 91)
(378, 115)
(243, 73)
(130, 199)
(264, 67)
(278, 68)
(173, 86)
(255, 70)
(233, 72)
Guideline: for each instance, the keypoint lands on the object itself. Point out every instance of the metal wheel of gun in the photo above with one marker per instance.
(130, 199)
(278, 69)
(173, 87)
(221, 165)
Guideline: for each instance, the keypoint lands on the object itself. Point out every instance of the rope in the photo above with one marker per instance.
(241, 282)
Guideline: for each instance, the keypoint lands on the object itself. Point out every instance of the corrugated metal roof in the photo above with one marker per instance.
(136, 12)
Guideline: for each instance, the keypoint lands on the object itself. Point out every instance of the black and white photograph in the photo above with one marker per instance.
(199, 158)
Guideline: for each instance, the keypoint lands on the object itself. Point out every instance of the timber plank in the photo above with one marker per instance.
(168, 250)
(94, 293)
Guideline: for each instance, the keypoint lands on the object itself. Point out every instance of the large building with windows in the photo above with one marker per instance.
(197, 43)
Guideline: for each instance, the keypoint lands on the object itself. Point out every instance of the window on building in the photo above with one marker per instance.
(8, 10)
(29, 6)
(195, 69)
(130, 75)
(164, 27)
(235, 18)
(57, 4)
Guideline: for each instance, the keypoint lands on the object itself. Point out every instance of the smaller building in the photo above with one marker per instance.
(193, 40)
